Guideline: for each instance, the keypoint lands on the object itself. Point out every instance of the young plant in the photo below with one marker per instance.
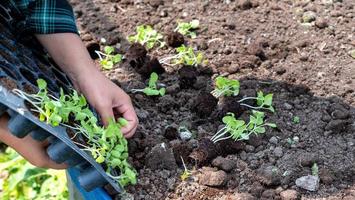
(187, 173)
(108, 59)
(263, 102)
(152, 89)
(186, 28)
(239, 130)
(147, 36)
(296, 120)
(185, 56)
(225, 87)
(106, 144)
(315, 169)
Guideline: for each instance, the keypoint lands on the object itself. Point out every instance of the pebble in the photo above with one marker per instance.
(273, 140)
(278, 152)
(249, 148)
(321, 23)
(224, 164)
(310, 183)
(308, 17)
(289, 195)
(213, 178)
(288, 106)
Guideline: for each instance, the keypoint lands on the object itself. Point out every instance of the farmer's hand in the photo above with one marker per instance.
(71, 55)
(32, 150)
(108, 99)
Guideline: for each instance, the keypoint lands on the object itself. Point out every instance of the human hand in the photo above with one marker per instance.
(108, 99)
(33, 151)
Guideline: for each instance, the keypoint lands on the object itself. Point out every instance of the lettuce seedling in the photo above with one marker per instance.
(147, 36)
(186, 28)
(263, 101)
(225, 87)
(106, 144)
(108, 59)
(239, 130)
(152, 90)
(185, 56)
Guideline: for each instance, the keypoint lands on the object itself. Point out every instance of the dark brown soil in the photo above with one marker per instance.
(187, 76)
(136, 56)
(8, 83)
(205, 104)
(175, 39)
(264, 45)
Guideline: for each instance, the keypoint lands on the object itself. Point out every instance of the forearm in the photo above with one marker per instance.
(69, 52)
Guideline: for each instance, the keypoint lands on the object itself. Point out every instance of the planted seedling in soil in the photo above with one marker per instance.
(239, 130)
(187, 28)
(152, 89)
(185, 56)
(108, 59)
(106, 144)
(296, 120)
(187, 173)
(228, 87)
(147, 36)
(315, 169)
(225, 87)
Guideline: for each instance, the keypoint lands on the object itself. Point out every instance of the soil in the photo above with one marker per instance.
(8, 83)
(265, 46)
(175, 39)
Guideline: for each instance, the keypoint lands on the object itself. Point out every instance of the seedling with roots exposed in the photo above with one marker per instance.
(151, 90)
(147, 36)
(186, 28)
(239, 130)
(106, 144)
(225, 87)
(108, 59)
(185, 56)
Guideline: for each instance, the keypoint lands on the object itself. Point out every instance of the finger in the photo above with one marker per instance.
(106, 113)
(127, 112)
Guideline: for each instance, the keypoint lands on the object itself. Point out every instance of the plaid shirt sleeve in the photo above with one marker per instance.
(48, 16)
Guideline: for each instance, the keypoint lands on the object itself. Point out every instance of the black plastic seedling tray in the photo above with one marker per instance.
(23, 66)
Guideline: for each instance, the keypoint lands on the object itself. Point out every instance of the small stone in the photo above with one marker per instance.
(310, 183)
(163, 13)
(224, 164)
(273, 140)
(336, 125)
(244, 4)
(213, 178)
(288, 106)
(269, 194)
(184, 134)
(269, 175)
(303, 57)
(321, 23)
(289, 195)
(278, 152)
(233, 69)
(308, 17)
(249, 148)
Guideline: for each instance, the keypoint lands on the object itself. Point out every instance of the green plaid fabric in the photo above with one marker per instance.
(38, 16)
